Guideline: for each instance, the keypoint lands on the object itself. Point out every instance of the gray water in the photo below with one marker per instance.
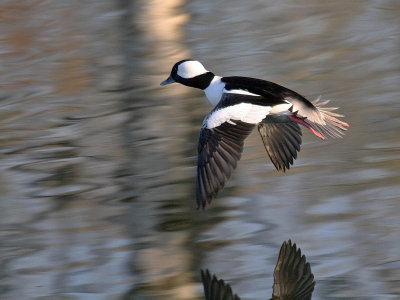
(97, 171)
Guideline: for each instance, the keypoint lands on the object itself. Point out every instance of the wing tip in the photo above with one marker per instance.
(202, 199)
(216, 289)
(292, 275)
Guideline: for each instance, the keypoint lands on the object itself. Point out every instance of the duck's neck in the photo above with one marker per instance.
(214, 90)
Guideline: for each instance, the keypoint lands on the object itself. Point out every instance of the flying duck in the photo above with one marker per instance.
(293, 278)
(240, 104)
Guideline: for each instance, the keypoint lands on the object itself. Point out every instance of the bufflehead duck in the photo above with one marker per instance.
(240, 104)
(293, 278)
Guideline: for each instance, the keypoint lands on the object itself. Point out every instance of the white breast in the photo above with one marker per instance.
(215, 90)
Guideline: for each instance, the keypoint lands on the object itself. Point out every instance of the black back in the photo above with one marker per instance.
(274, 92)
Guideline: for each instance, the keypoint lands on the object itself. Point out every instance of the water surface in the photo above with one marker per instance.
(97, 167)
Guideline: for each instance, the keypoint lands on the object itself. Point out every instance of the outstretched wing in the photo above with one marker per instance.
(215, 289)
(292, 276)
(219, 150)
(282, 140)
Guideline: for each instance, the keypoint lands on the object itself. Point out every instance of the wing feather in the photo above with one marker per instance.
(293, 278)
(219, 149)
(282, 140)
(216, 289)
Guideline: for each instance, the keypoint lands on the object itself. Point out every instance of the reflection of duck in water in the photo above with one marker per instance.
(293, 279)
(241, 103)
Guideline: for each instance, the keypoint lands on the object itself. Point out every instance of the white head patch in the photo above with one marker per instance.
(190, 69)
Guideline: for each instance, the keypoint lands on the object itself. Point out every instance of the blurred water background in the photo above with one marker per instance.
(97, 170)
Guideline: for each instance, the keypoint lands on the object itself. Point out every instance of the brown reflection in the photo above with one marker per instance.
(20, 35)
(163, 208)
(162, 24)
(72, 76)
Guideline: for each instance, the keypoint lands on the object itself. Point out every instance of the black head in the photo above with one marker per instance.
(190, 73)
